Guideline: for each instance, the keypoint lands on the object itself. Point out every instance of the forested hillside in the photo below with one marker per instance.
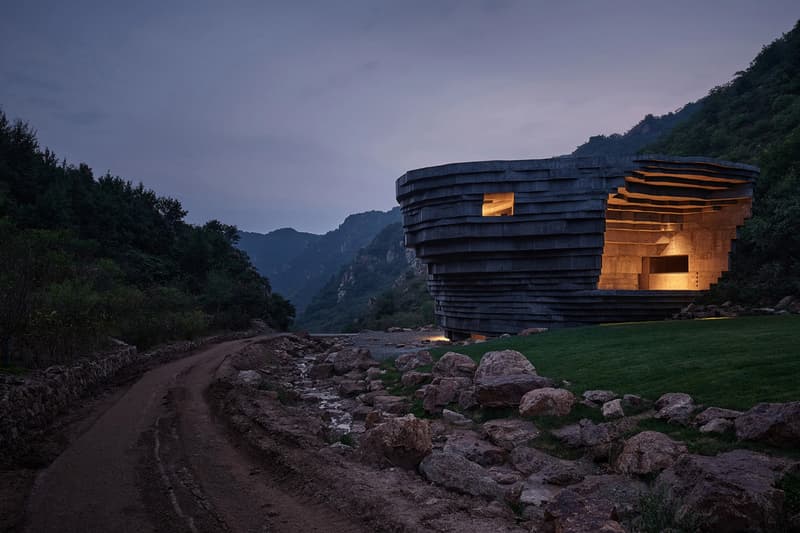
(366, 293)
(647, 131)
(756, 119)
(83, 258)
(318, 257)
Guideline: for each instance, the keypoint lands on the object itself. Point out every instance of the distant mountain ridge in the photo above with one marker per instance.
(299, 264)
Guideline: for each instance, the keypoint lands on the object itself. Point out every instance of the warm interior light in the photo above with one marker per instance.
(498, 204)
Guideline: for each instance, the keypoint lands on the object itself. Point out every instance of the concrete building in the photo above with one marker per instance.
(570, 241)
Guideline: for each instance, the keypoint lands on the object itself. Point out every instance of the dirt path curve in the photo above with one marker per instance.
(158, 461)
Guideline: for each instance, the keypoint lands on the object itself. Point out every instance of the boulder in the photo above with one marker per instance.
(716, 425)
(777, 424)
(503, 363)
(456, 472)
(477, 450)
(468, 399)
(352, 388)
(455, 419)
(251, 378)
(413, 378)
(715, 412)
(632, 401)
(410, 361)
(572, 513)
(675, 407)
(321, 371)
(728, 493)
(508, 433)
(649, 452)
(374, 373)
(396, 405)
(349, 359)
(442, 392)
(546, 402)
(507, 391)
(599, 397)
(613, 409)
(402, 442)
(454, 364)
(626, 492)
(537, 492)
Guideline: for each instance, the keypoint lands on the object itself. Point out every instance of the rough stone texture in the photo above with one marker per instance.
(350, 359)
(625, 491)
(442, 392)
(507, 391)
(396, 405)
(649, 452)
(599, 397)
(410, 361)
(352, 388)
(632, 401)
(541, 266)
(716, 425)
(537, 492)
(468, 399)
(546, 401)
(532, 331)
(321, 371)
(508, 433)
(715, 412)
(403, 442)
(251, 378)
(774, 423)
(471, 446)
(456, 472)
(613, 409)
(675, 407)
(455, 419)
(413, 378)
(731, 492)
(503, 363)
(572, 513)
(454, 364)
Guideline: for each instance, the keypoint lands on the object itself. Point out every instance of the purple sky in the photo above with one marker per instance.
(297, 113)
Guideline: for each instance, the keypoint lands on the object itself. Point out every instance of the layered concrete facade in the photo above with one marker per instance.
(570, 241)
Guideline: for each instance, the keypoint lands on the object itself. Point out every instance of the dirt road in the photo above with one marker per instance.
(158, 461)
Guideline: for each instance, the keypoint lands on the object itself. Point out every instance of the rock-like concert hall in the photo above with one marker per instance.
(571, 241)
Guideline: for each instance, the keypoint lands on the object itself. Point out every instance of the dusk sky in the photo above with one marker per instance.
(298, 113)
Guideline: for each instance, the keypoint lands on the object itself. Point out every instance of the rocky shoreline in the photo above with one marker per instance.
(456, 445)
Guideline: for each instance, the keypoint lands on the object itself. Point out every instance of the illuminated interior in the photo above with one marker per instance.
(498, 204)
(671, 230)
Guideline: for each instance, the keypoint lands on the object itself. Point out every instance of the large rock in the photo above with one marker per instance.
(571, 512)
(507, 391)
(613, 409)
(626, 492)
(716, 425)
(774, 423)
(413, 378)
(713, 413)
(454, 364)
(731, 492)
(503, 363)
(410, 361)
(396, 405)
(649, 452)
(599, 397)
(546, 402)
(442, 392)
(456, 472)
(477, 450)
(508, 433)
(675, 407)
(400, 442)
(349, 359)
(251, 378)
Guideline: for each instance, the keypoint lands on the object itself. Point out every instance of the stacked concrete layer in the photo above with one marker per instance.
(541, 266)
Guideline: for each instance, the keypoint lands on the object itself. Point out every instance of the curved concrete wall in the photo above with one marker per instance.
(541, 266)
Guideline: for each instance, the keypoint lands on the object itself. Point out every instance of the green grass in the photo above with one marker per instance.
(733, 363)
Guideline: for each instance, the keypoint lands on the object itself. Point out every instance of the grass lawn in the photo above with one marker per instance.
(733, 363)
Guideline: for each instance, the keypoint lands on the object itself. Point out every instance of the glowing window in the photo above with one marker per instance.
(498, 204)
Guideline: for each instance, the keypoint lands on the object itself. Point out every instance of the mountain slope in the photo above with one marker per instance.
(756, 119)
(319, 257)
(649, 130)
(363, 291)
(272, 253)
